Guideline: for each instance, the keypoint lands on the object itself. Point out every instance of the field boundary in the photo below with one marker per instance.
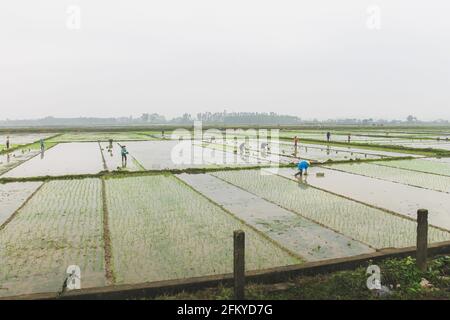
(109, 271)
(16, 212)
(24, 146)
(273, 275)
(399, 215)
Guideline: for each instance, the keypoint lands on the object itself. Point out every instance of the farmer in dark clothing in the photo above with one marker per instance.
(328, 136)
(124, 153)
(7, 142)
(349, 138)
(242, 147)
(41, 143)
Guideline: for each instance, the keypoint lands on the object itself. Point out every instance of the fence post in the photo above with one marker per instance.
(239, 264)
(422, 239)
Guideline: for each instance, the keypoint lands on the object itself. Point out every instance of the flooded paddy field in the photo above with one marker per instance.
(11, 160)
(112, 157)
(287, 153)
(421, 165)
(127, 225)
(160, 155)
(18, 139)
(403, 176)
(301, 236)
(161, 229)
(13, 196)
(101, 136)
(60, 225)
(342, 215)
(394, 197)
(62, 159)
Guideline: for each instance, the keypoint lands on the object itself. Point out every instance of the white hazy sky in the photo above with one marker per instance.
(315, 59)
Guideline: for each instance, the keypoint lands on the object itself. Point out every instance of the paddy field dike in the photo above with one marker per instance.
(170, 210)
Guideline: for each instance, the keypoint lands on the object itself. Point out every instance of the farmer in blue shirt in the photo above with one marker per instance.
(124, 153)
(302, 165)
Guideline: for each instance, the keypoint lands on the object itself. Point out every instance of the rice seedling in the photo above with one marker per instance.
(13, 195)
(436, 167)
(290, 230)
(161, 229)
(358, 221)
(60, 226)
(418, 179)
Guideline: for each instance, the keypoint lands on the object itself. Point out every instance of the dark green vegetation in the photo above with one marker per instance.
(401, 277)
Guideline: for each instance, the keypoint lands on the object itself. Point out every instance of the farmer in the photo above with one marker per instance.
(295, 142)
(41, 142)
(349, 137)
(302, 165)
(124, 153)
(328, 136)
(7, 142)
(264, 146)
(241, 147)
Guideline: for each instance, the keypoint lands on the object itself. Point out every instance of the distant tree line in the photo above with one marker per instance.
(227, 118)
(224, 118)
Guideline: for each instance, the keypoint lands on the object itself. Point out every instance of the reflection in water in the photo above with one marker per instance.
(303, 182)
(42, 154)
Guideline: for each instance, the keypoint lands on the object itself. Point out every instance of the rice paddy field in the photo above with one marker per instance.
(169, 212)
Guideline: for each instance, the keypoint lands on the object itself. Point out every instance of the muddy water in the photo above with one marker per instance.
(63, 159)
(252, 156)
(407, 177)
(401, 199)
(159, 155)
(435, 167)
(299, 235)
(25, 138)
(13, 195)
(319, 152)
(61, 225)
(362, 152)
(113, 158)
(13, 159)
(443, 160)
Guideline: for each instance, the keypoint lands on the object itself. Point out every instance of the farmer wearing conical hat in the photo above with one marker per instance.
(124, 153)
(302, 165)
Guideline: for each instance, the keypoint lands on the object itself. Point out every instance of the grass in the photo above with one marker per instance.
(401, 276)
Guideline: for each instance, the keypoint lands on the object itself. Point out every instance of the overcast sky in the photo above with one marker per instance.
(315, 59)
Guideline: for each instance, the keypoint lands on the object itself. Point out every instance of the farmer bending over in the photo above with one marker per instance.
(302, 165)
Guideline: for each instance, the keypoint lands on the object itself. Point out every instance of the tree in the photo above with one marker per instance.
(411, 118)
